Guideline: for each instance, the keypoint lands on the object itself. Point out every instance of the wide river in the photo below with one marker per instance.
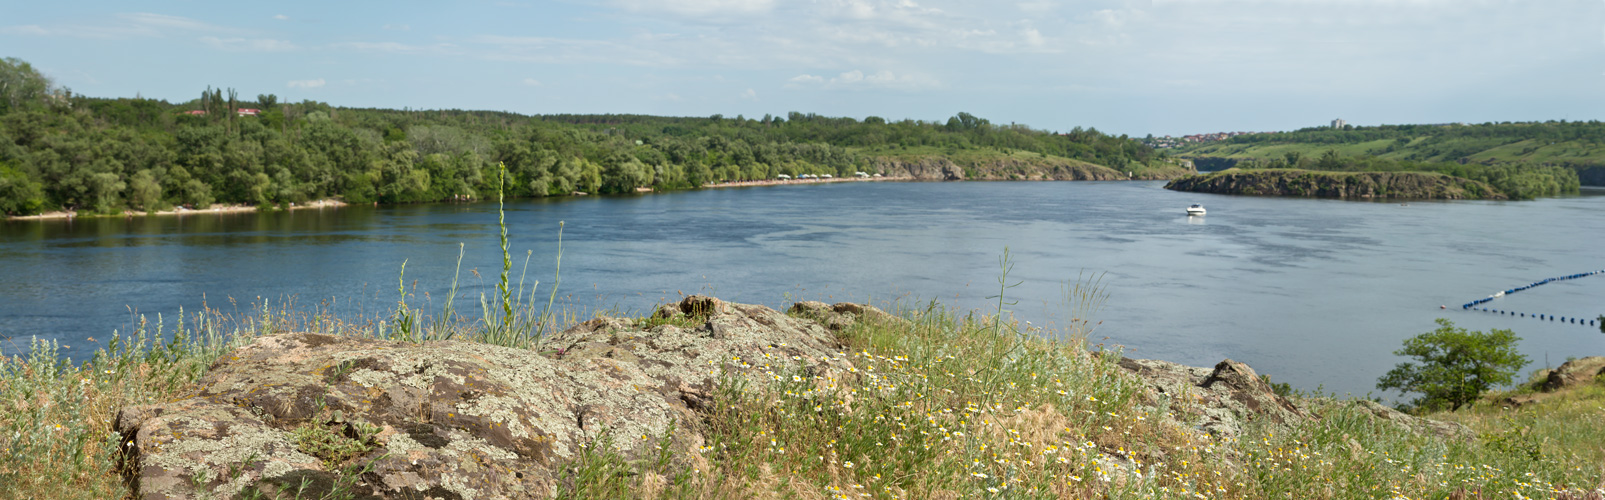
(1312, 292)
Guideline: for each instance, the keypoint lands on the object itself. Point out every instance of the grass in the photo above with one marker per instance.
(1531, 151)
(949, 406)
(941, 404)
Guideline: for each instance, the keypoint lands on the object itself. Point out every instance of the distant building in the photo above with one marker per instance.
(195, 112)
(1339, 123)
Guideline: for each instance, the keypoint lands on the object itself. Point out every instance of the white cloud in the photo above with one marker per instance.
(282, 17)
(700, 8)
(531, 82)
(26, 29)
(856, 79)
(750, 95)
(443, 49)
(170, 22)
(307, 84)
(123, 26)
(248, 45)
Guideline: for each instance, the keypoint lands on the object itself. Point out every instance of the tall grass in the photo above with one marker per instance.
(56, 416)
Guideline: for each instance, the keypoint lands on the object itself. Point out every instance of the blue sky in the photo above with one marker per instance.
(1132, 67)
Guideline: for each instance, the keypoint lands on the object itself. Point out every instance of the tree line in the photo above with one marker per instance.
(60, 151)
(1518, 181)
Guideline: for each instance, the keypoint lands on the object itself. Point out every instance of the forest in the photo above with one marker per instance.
(1518, 181)
(60, 151)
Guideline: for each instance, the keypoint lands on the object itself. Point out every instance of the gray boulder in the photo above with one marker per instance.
(1580, 371)
(455, 420)
(1220, 400)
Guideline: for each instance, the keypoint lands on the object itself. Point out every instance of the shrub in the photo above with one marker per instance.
(1455, 366)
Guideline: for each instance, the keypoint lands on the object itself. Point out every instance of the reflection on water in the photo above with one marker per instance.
(1310, 291)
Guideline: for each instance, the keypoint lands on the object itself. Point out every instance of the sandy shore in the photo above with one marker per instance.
(224, 209)
(777, 182)
(214, 209)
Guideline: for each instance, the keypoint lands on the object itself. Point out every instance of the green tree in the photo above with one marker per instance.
(1330, 160)
(20, 84)
(1455, 366)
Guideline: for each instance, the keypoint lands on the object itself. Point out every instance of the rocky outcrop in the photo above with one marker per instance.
(841, 315)
(450, 419)
(1592, 175)
(1417, 425)
(1573, 373)
(1357, 185)
(1221, 400)
(920, 169)
(313, 416)
(935, 168)
(1580, 371)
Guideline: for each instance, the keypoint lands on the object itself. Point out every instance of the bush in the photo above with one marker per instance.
(1455, 366)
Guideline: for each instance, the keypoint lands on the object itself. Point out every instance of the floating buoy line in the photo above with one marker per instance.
(1472, 306)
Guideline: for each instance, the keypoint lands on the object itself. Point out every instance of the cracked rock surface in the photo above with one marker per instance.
(451, 419)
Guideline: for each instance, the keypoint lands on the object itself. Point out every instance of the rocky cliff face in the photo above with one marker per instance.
(1358, 185)
(1010, 169)
(455, 420)
(921, 169)
(1591, 176)
(301, 415)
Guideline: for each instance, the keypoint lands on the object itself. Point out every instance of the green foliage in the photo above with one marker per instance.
(331, 443)
(21, 86)
(18, 193)
(1521, 160)
(1454, 366)
(107, 155)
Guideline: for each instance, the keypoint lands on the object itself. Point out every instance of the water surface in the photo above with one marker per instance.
(1312, 292)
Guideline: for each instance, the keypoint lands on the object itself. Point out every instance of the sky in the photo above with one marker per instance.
(1162, 67)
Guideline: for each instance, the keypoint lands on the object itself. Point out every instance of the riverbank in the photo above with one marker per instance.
(1323, 184)
(787, 182)
(214, 209)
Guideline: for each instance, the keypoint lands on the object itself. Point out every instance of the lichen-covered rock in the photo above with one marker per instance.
(452, 419)
(1416, 425)
(841, 315)
(1580, 371)
(1221, 400)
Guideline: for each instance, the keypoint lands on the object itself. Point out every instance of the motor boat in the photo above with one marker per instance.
(1196, 209)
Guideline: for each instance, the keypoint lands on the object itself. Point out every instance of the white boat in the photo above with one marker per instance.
(1195, 210)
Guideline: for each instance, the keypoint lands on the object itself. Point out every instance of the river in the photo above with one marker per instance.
(1317, 293)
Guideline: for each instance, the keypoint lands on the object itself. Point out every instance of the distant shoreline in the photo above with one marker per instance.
(214, 209)
(778, 182)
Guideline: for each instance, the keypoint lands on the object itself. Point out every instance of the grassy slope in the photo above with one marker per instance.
(950, 406)
(1495, 150)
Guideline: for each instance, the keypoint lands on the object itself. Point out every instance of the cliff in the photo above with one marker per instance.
(670, 396)
(1356, 185)
(1014, 167)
